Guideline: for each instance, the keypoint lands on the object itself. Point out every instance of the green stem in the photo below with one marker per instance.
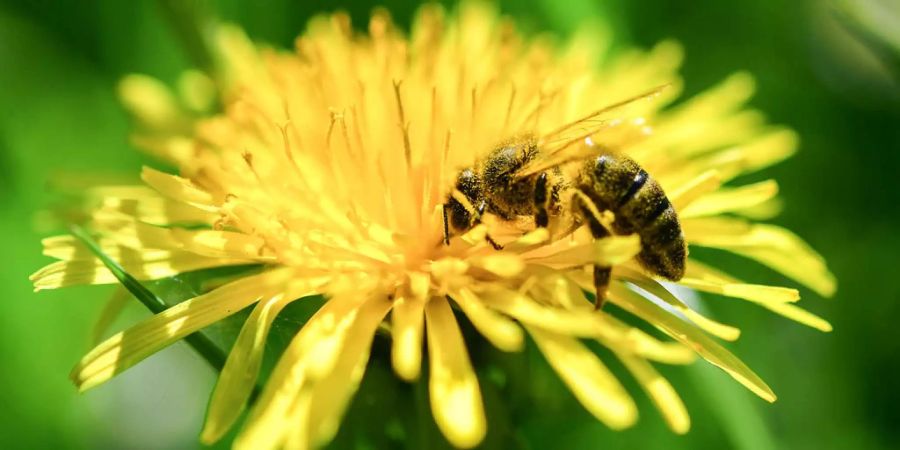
(200, 343)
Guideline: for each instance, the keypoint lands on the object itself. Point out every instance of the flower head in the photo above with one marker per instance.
(330, 167)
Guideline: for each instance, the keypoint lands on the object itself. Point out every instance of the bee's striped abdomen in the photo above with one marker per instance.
(620, 185)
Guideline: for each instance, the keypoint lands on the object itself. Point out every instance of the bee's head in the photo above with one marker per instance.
(461, 212)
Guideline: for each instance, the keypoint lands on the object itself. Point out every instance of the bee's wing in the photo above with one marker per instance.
(564, 152)
(562, 143)
(593, 116)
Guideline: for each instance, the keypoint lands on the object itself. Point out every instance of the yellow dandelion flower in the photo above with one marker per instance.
(331, 167)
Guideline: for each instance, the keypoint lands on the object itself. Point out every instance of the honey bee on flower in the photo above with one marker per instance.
(358, 167)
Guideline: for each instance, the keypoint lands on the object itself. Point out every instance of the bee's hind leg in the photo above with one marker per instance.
(602, 274)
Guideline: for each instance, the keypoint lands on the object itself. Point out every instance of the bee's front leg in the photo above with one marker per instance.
(481, 208)
(446, 224)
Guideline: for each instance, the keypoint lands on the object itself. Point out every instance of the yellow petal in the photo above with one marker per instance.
(800, 315)
(530, 312)
(646, 346)
(197, 90)
(711, 326)
(222, 244)
(68, 273)
(407, 319)
(131, 346)
(577, 317)
(271, 418)
(497, 328)
(731, 199)
(129, 232)
(161, 210)
(178, 188)
(559, 290)
(660, 391)
(455, 394)
(70, 248)
(293, 433)
(332, 393)
(800, 264)
(238, 377)
(760, 153)
(528, 240)
(588, 379)
(763, 211)
(609, 251)
(702, 184)
(757, 293)
(706, 122)
(477, 236)
(502, 264)
(770, 245)
(694, 338)
(704, 278)
(150, 100)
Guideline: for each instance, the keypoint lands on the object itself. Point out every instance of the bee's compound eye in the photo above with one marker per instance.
(458, 216)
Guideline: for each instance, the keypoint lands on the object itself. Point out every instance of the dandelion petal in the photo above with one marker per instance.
(660, 391)
(702, 344)
(711, 326)
(331, 395)
(407, 318)
(800, 315)
(731, 200)
(238, 377)
(770, 245)
(591, 382)
(178, 188)
(500, 330)
(271, 418)
(129, 347)
(455, 394)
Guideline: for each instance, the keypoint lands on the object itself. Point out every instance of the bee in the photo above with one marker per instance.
(518, 178)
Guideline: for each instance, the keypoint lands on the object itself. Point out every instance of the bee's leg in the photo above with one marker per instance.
(541, 198)
(481, 207)
(468, 214)
(446, 225)
(602, 274)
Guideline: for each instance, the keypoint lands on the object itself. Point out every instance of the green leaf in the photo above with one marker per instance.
(215, 341)
(208, 350)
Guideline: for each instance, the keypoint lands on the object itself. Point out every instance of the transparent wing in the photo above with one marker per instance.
(565, 144)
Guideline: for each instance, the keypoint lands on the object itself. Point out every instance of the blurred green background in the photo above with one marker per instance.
(828, 69)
